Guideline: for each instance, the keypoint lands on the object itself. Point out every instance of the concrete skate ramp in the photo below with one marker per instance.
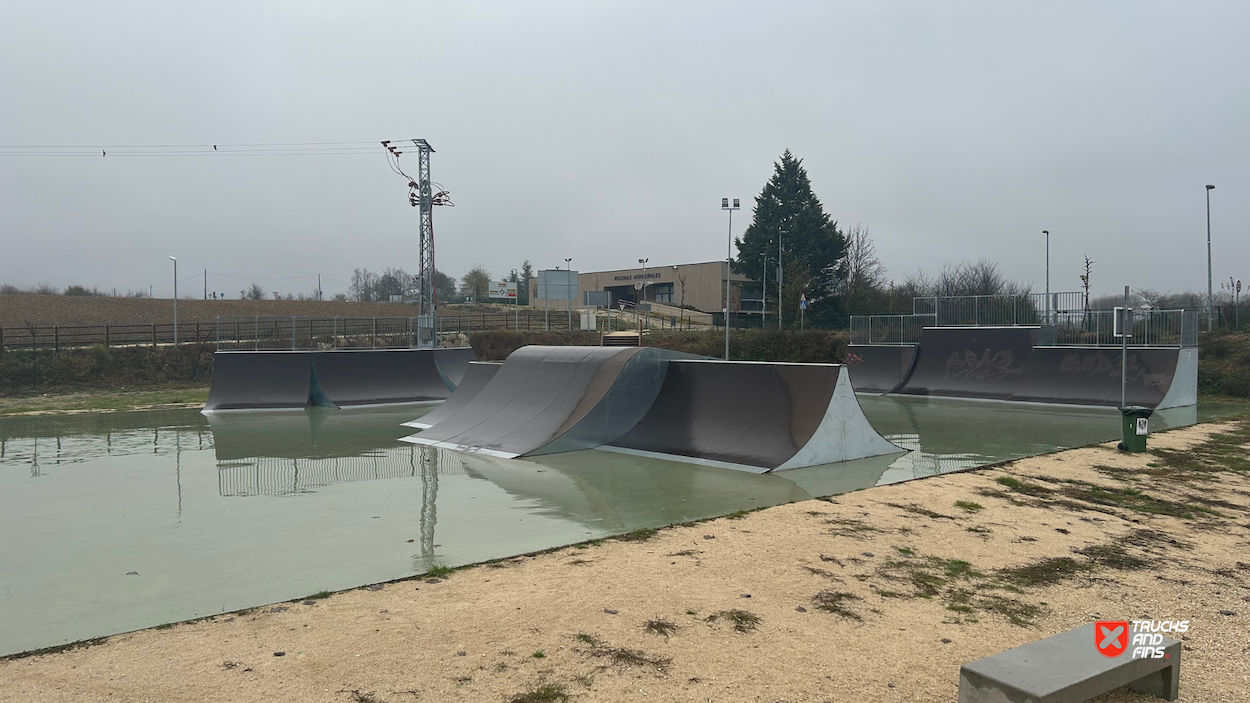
(295, 379)
(474, 379)
(551, 399)
(260, 379)
(878, 368)
(755, 416)
(971, 362)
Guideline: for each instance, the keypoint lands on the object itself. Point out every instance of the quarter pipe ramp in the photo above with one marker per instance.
(250, 380)
(755, 416)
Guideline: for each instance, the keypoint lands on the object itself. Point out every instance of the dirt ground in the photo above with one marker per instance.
(878, 595)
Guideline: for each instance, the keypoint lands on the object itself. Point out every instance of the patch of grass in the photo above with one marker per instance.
(319, 595)
(543, 693)
(438, 571)
(969, 505)
(835, 602)
(686, 553)
(364, 697)
(850, 527)
(165, 626)
(978, 529)
(1029, 489)
(1133, 499)
(816, 571)
(906, 551)
(579, 562)
(738, 514)
(743, 621)
(622, 656)
(642, 535)
(56, 649)
(916, 509)
(1043, 573)
(1113, 556)
(539, 654)
(660, 626)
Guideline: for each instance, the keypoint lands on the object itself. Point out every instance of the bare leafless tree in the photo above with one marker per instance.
(864, 277)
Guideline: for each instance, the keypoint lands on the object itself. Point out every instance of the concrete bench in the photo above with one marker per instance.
(1067, 668)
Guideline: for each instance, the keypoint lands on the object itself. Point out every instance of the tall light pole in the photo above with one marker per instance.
(724, 205)
(1210, 297)
(643, 262)
(568, 304)
(175, 260)
(1047, 233)
(779, 278)
(517, 299)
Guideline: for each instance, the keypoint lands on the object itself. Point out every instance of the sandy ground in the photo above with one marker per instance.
(915, 586)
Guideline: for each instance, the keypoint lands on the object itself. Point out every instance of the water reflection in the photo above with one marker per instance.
(234, 510)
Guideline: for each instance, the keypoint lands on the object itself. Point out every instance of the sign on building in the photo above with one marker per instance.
(557, 285)
(502, 289)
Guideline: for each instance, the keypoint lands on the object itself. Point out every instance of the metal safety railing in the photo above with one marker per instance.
(990, 310)
(272, 333)
(1150, 328)
(888, 329)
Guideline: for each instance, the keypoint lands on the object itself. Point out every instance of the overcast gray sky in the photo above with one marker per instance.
(606, 133)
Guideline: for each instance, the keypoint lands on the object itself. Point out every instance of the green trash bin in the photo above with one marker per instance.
(1135, 423)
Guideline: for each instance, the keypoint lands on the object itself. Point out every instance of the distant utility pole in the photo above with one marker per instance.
(206, 284)
(318, 286)
(568, 302)
(724, 205)
(421, 194)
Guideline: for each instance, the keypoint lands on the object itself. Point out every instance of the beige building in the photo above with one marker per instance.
(703, 285)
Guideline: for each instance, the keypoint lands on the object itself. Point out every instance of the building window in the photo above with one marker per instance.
(663, 292)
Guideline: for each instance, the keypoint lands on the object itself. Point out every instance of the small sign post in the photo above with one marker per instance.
(802, 309)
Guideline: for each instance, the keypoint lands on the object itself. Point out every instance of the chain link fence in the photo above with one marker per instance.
(1149, 328)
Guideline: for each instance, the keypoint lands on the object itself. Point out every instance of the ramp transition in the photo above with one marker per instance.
(475, 378)
(250, 380)
(554, 399)
(879, 369)
(755, 416)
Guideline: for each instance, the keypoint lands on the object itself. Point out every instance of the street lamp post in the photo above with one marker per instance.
(517, 300)
(175, 260)
(568, 303)
(724, 205)
(1210, 296)
(643, 262)
(1047, 233)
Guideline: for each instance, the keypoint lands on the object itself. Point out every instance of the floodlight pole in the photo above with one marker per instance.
(1210, 297)
(175, 299)
(724, 205)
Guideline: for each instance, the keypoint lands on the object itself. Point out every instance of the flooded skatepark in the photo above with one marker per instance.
(141, 518)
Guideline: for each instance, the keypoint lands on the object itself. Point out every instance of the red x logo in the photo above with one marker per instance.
(1111, 637)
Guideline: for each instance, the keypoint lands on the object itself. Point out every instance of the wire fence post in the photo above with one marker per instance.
(373, 343)
(256, 331)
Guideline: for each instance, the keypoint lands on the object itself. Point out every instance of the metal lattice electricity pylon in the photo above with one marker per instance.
(421, 194)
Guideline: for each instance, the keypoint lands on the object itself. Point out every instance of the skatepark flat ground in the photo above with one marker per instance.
(811, 601)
